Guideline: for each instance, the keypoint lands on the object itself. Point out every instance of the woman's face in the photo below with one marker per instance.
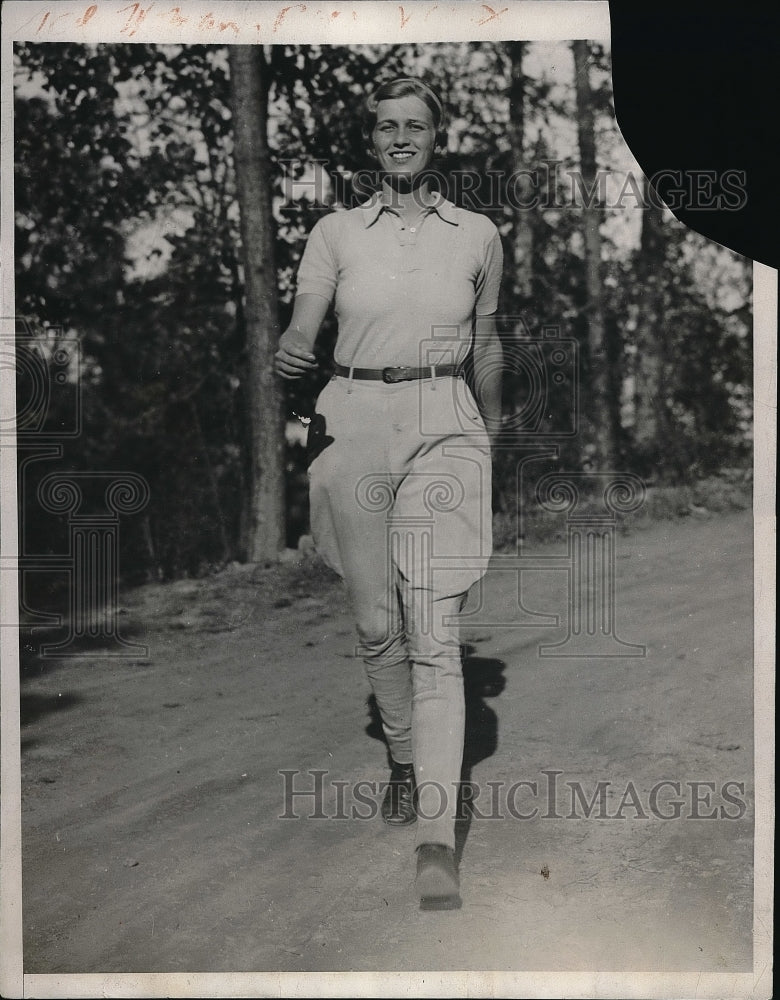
(404, 136)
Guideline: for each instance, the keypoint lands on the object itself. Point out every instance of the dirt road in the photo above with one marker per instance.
(152, 791)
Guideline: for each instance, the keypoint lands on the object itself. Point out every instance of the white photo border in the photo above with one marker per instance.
(364, 22)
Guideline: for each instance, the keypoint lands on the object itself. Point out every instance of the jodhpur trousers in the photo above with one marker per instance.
(400, 496)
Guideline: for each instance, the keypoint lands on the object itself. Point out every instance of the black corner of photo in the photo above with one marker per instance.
(695, 90)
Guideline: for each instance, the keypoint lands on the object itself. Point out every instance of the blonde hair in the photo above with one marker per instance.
(406, 86)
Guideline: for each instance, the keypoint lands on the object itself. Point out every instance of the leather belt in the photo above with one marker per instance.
(399, 373)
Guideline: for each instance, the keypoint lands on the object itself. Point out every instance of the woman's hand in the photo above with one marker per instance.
(293, 359)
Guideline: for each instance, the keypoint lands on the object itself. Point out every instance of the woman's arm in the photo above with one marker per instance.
(295, 356)
(488, 373)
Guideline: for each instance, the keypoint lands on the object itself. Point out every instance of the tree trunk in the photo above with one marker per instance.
(523, 237)
(650, 423)
(249, 100)
(595, 402)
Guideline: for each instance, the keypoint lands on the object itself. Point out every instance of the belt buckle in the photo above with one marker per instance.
(391, 374)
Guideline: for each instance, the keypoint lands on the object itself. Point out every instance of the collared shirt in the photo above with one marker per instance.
(403, 295)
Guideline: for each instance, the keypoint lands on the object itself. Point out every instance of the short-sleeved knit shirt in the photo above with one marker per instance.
(403, 295)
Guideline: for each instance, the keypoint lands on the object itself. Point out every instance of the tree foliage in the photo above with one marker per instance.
(128, 237)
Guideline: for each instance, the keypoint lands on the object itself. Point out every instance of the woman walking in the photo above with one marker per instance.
(400, 475)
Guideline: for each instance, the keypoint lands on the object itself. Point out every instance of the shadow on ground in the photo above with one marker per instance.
(33, 706)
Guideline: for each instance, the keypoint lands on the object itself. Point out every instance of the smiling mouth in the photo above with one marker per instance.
(401, 157)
